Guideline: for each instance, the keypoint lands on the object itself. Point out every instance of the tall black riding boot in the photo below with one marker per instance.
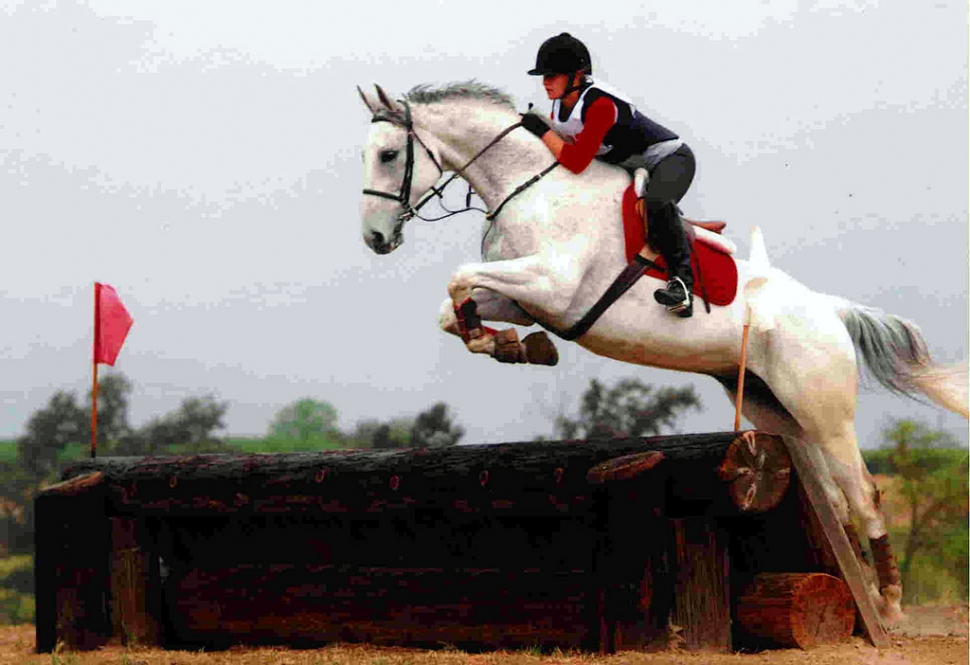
(670, 237)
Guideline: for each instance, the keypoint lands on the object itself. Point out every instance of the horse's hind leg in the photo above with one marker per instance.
(815, 379)
(767, 414)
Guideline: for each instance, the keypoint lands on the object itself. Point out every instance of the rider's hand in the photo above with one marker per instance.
(534, 124)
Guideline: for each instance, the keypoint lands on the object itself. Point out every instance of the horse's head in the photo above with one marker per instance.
(399, 167)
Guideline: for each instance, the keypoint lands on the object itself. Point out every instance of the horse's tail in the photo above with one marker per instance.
(895, 354)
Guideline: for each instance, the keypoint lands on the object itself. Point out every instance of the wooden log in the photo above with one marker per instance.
(537, 478)
(624, 468)
(758, 470)
(751, 475)
(313, 605)
(76, 485)
(796, 610)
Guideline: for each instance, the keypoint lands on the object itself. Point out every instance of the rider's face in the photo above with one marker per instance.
(555, 85)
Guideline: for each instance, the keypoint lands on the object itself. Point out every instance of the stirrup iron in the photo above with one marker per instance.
(683, 304)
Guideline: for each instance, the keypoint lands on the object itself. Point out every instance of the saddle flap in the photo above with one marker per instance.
(715, 227)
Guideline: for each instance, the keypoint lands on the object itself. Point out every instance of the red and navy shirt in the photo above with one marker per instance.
(604, 124)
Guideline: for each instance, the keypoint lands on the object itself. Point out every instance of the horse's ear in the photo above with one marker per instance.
(385, 100)
(371, 106)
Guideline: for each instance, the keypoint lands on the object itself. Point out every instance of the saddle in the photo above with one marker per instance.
(713, 227)
(707, 232)
(715, 273)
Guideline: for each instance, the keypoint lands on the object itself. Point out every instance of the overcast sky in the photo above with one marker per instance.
(204, 159)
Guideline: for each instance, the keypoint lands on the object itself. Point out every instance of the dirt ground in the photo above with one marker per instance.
(932, 635)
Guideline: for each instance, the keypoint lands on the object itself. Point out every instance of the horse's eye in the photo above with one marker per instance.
(388, 156)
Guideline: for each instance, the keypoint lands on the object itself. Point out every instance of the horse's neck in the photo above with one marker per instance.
(463, 131)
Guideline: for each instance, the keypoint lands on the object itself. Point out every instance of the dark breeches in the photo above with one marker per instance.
(670, 179)
(668, 183)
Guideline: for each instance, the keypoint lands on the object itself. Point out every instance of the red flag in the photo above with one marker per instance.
(111, 324)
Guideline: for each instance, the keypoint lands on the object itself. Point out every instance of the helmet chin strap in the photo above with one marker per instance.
(574, 88)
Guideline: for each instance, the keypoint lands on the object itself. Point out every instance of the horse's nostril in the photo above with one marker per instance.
(377, 238)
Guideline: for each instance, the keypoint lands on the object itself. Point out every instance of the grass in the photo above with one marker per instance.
(245, 445)
(8, 450)
(13, 564)
(272, 445)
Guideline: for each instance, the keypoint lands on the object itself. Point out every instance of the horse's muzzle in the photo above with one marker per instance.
(380, 245)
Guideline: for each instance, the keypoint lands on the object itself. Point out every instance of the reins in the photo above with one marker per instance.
(404, 194)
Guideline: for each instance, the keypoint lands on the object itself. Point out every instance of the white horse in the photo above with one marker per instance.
(556, 246)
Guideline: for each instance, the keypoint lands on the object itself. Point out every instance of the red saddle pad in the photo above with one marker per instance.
(715, 273)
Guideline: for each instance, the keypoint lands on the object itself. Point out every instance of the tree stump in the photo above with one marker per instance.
(796, 610)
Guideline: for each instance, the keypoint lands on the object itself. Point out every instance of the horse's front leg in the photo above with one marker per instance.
(497, 287)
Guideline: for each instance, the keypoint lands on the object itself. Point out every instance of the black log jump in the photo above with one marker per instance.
(706, 541)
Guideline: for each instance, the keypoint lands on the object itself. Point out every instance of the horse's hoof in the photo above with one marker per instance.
(890, 607)
(540, 350)
(508, 349)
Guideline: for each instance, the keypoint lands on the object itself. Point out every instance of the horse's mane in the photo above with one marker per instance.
(427, 94)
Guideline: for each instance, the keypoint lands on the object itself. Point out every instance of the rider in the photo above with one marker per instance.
(603, 123)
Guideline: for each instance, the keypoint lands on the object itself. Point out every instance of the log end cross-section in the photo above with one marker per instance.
(796, 610)
(758, 469)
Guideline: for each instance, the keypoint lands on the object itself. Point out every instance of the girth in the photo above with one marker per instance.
(633, 272)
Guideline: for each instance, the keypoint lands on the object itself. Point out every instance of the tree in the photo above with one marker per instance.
(433, 428)
(17, 489)
(305, 420)
(113, 391)
(189, 427)
(49, 431)
(630, 408)
(934, 485)
(63, 421)
(395, 433)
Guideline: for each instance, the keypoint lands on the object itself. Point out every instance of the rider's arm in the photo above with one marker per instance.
(600, 117)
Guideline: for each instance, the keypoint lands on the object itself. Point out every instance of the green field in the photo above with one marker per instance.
(8, 450)
(271, 445)
(77, 451)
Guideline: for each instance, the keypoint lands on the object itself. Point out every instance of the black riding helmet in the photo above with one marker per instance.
(562, 54)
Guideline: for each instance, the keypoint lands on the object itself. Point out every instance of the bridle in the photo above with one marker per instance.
(403, 196)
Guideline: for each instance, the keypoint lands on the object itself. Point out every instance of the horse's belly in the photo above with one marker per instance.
(650, 336)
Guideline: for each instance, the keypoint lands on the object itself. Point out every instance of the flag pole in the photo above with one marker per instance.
(94, 373)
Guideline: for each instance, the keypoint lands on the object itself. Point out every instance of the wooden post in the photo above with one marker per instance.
(133, 615)
(796, 610)
(71, 570)
(702, 605)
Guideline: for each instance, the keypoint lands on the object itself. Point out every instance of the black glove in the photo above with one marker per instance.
(534, 124)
